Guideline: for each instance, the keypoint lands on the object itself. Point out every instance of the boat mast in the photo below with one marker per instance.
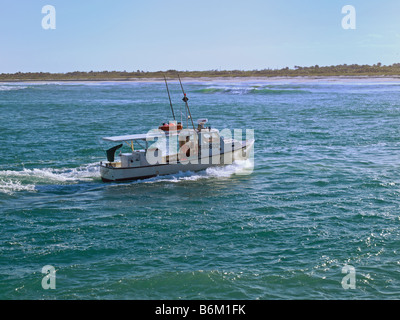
(186, 100)
(170, 102)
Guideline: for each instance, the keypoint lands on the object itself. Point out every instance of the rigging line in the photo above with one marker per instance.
(186, 100)
(170, 102)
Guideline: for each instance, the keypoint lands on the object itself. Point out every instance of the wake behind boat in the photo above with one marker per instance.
(171, 149)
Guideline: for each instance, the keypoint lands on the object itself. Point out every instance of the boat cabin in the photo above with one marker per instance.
(165, 146)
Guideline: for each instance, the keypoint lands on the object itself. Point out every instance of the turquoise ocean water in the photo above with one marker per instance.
(324, 193)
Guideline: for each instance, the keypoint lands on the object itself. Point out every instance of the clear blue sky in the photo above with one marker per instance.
(153, 35)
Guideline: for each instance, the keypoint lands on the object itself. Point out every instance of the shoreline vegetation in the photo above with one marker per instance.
(344, 70)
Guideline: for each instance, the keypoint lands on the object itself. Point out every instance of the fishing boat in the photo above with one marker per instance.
(171, 149)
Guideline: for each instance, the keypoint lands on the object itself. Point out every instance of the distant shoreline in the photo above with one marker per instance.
(344, 71)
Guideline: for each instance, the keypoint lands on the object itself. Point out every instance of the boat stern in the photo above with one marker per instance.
(107, 172)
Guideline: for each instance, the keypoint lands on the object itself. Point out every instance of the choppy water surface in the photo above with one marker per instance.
(324, 193)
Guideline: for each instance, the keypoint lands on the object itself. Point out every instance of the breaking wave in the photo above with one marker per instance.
(249, 90)
(12, 87)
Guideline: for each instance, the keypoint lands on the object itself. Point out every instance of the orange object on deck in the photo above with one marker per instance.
(171, 126)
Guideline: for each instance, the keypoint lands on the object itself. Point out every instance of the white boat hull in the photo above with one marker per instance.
(109, 173)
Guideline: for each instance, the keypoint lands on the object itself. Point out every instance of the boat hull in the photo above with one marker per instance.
(110, 174)
(122, 174)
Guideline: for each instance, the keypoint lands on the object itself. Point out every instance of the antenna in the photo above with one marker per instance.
(170, 102)
(186, 100)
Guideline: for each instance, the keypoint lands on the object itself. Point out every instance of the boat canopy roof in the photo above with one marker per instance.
(143, 136)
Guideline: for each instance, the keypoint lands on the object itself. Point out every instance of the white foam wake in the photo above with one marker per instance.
(12, 181)
(239, 167)
(9, 186)
(27, 179)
